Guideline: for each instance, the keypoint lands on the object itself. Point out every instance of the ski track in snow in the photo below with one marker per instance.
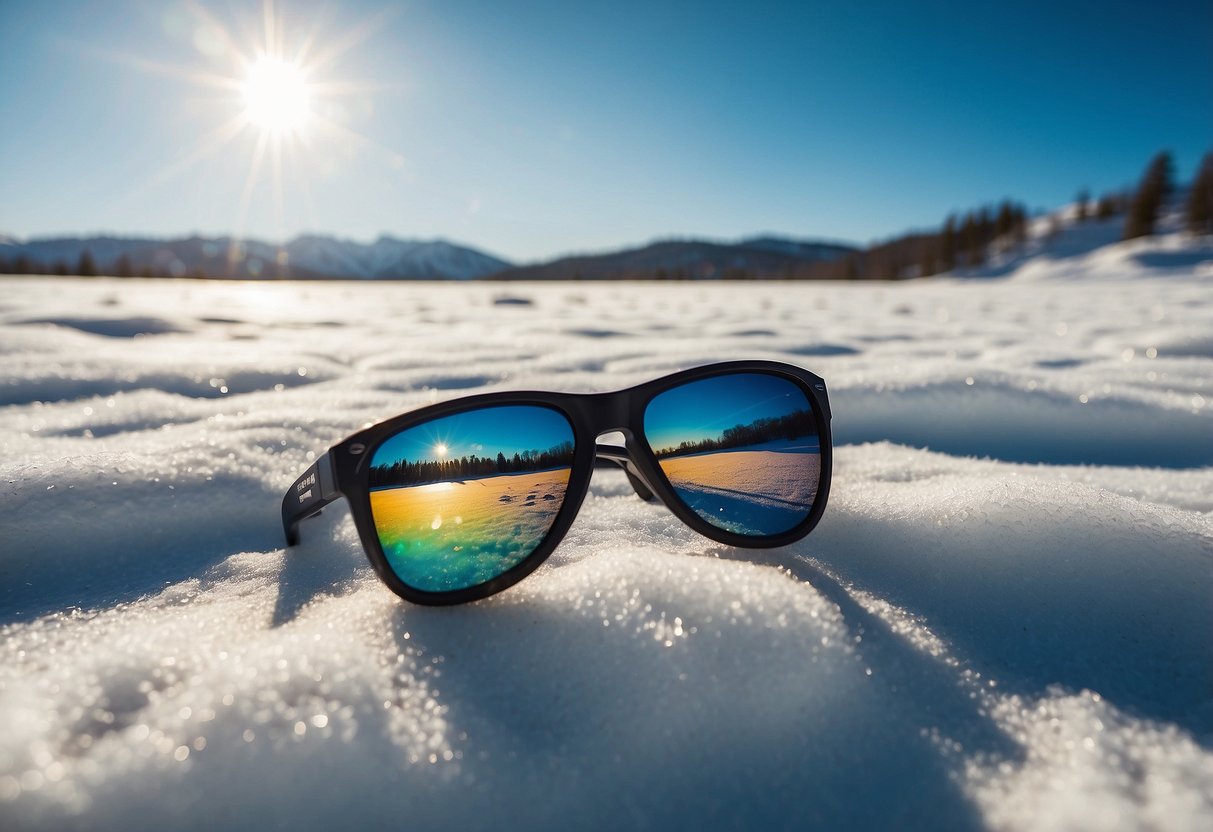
(1010, 630)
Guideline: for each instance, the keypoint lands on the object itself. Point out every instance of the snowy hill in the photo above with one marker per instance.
(1061, 247)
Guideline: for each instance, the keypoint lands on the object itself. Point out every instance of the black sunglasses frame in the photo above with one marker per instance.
(344, 470)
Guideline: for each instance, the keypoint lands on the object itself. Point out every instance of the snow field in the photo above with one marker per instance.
(1019, 641)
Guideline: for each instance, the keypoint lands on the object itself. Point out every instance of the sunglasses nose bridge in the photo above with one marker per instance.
(621, 457)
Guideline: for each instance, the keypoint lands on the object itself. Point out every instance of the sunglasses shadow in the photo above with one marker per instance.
(1064, 601)
(326, 562)
(549, 681)
(85, 551)
(929, 682)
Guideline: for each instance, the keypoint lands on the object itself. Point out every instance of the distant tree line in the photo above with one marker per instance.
(790, 426)
(964, 241)
(86, 266)
(418, 472)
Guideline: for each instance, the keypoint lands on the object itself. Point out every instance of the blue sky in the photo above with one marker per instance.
(485, 433)
(705, 409)
(531, 129)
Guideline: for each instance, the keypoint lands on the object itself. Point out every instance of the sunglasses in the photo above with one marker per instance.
(459, 500)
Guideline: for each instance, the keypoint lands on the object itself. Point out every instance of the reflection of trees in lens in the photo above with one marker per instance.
(403, 472)
(790, 426)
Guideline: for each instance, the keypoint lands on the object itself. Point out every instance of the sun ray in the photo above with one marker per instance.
(250, 182)
(270, 25)
(353, 38)
(194, 77)
(335, 89)
(206, 146)
(394, 158)
(234, 52)
(303, 182)
(279, 199)
(309, 40)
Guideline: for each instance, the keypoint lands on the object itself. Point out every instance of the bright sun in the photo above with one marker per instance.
(440, 449)
(276, 95)
(282, 94)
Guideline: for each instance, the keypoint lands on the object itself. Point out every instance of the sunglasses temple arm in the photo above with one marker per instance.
(314, 490)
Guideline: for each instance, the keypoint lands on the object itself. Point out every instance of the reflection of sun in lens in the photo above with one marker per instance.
(440, 449)
(276, 96)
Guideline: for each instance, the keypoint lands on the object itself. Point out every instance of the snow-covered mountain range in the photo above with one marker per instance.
(309, 255)
(392, 258)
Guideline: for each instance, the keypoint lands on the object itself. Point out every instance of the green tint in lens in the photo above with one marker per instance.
(460, 500)
(741, 450)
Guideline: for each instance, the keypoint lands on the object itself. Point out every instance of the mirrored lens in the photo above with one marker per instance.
(460, 500)
(741, 450)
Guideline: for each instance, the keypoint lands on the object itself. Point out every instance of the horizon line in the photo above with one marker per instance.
(671, 237)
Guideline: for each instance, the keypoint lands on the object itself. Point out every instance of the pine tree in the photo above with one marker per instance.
(1157, 185)
(947, 245)
(1162, 173)
(985, 233)
(1003, 222)
(1020, 226)
(1081, 213)
(927, 257)
(87, 266)
(122, 267)
(1200, 199)
(969, 244)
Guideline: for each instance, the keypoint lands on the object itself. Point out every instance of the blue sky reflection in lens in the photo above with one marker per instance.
(460, 500)
(740, 450)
